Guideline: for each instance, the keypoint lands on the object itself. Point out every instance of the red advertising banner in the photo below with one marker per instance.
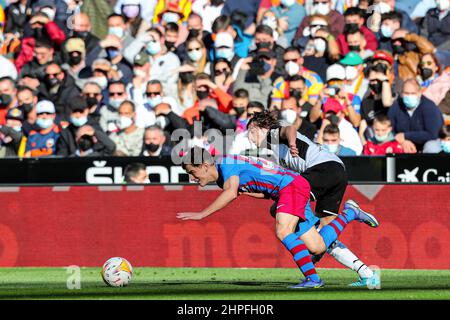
(61, 226)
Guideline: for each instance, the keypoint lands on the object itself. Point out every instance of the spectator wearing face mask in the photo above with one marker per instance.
(27, 100)
(44, 54)
(415, 118)
(439, 92)
(224, 48)
(257, 76)
(355, 80)
(356, 42)
(147, 8)
(355, 20)
(408, 48)
(389, 6)
(81, 28)
(175, 11)
(436, 25)
(196, 30)
(8, 97)
(163, 64)
(326, 52)
(223, 75)
(76, 63)
(390, 22)
(323, 7)
(136, 173)
(130, 138)
(440, 145)
(429, 70)
(117, 27)
(94, 99)
(109, 114)
(332, 142)
(291, 110)
(17, 16)
(59, 88)
(11, 133)
(114, 54)
(197, 55)
(269, 19)
(156, 143)
(67, 143)
(290, 14)
(383, 142)
(42, 143)
(141, 76)
(131, 9)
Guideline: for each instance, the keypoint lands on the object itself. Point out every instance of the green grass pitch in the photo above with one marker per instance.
(223, 284)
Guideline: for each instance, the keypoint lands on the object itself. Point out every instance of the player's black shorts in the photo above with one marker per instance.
(328, 182)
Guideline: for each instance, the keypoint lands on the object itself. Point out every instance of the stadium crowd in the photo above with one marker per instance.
(100, 78)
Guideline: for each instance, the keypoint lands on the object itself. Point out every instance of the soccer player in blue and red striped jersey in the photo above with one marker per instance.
(266, 180)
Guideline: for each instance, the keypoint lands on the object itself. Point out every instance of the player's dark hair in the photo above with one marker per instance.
(265, 120)
(196, 156)
(331, 129)
(132, 170)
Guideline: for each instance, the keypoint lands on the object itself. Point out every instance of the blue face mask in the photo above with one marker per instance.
(386, 137)
(79, 122)
(411, 102)
(44, 123)
(153, 102)
(333, 148)
(445, 145)
(153, 48)
(224, 54)
(386, 31)
(112, 53)
(117, 31)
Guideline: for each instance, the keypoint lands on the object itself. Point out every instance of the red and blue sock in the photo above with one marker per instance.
(331, 232)
(301, 256)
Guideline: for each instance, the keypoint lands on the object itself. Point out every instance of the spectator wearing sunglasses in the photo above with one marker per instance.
(223, 75)
(109, 114)
(429, 70)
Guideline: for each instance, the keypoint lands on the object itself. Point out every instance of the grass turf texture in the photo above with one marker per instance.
(223, 284)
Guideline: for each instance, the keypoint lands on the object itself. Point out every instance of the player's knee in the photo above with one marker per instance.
(282, 231)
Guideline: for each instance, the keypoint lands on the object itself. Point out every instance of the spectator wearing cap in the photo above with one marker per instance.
(141, 71)
(415, 118)
(355, 80)
(59, 87)
(44, 54)
(8, 97)
(27, 100)
(79, 117)
(257, 76)
(240, 40)
(81, 28)
(354, 19)
(324, 8)
(42, 142)
(11, 133)
(156, 143)
(130, 138)
(224, 49)
(109, 114)
(76, 62)
(164, 64)
(335, 96)
(290, 14)
(334, 115)
(294, 68)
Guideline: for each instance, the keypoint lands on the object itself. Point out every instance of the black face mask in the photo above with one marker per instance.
(74, 60)
(350, 26)
(264, 45)
(170, 45)
(334, 119)
(426, 73)
(398, 49)
(354, 48)
(186, 77)
(194, 33)
(201, 95)
(258, 67)
(51, 83)
(86, 142)
(5, 100)
(80, 34)
(151, 147)
(376, 87)
(27, 107)
(296, 93)
(239, 110)
(91, 101)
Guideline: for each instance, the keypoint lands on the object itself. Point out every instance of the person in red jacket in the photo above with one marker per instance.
(384, 141)
(355, 17)
(42, 27)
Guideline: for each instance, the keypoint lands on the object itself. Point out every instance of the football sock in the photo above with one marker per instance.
(343, 255)
(331, 231)
(301, 256)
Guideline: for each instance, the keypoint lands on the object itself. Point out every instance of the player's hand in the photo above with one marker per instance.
(294, 151)
(190, 215)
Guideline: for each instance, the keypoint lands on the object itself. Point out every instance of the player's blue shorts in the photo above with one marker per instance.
(311, 221)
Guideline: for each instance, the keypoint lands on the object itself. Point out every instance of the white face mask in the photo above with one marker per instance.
(443, 5)
(140, 73)
(351, 73)
(125, 122)
(382, 7)
(115, 103)
(162, 122)
(333, 148)
(101, 81)
(321, 8)
(49, 12)
(195, 55)
(116, 31)
(320, 45)
(292, 68)
(271, 22)
(289, 116)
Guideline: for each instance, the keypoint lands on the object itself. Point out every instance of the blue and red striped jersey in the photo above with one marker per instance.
(256, 175)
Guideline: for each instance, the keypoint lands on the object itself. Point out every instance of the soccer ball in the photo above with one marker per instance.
(117, 272)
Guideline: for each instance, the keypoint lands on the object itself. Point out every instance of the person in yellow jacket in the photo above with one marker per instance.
(171, 7)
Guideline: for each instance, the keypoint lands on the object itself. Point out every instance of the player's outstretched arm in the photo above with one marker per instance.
(230, 192)
(290, 134)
